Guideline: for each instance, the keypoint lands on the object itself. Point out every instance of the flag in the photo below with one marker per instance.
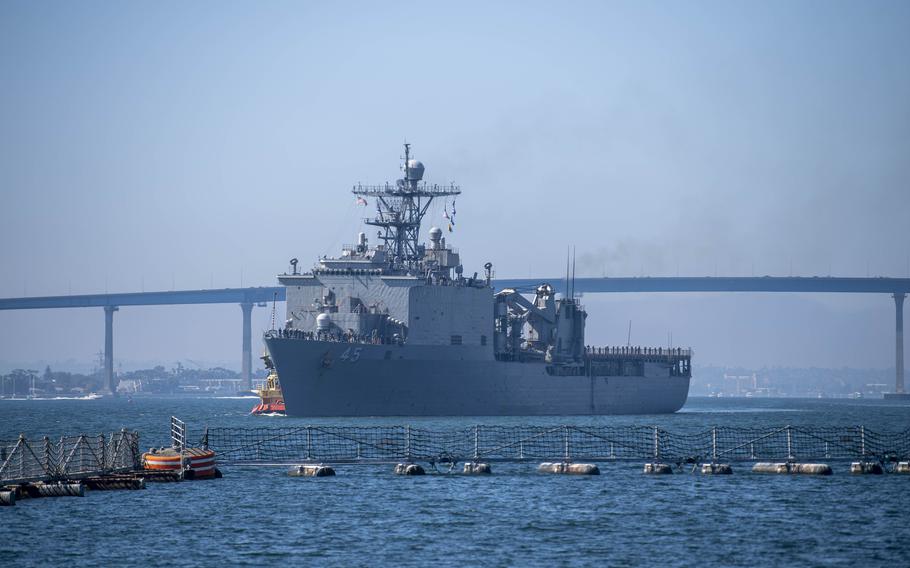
(450, 228)
(361, 201)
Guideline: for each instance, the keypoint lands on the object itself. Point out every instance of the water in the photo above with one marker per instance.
(366, 516)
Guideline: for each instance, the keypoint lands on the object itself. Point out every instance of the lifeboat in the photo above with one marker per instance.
(195, 463)
(271, 399)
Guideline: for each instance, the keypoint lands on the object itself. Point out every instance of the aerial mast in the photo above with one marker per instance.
(400, 207)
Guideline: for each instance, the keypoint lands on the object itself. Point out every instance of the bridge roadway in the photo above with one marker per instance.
(248, 297)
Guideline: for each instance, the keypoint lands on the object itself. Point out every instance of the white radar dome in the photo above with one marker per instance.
(435, 233)
(416, 170)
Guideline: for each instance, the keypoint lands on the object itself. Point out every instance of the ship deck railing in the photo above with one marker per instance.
(332, 338)
(637, 352)
(422, 189)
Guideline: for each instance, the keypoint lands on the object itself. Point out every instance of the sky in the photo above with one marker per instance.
(172, 145)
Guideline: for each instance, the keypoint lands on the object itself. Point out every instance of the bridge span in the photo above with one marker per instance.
(247, 298)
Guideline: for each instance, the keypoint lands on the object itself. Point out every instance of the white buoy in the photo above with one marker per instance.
(793, 468)
(409, 469)
(311, 470)
(7, 498)
(902, 467)
(477, 468)
(716, 469)
(658, 468)
(866, 467)
(569, 468)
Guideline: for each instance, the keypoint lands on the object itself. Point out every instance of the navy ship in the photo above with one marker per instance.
(399, 328)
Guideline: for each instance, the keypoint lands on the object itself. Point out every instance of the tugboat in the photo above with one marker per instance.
(271, 401)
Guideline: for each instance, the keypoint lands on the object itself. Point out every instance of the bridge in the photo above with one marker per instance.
(247, 298)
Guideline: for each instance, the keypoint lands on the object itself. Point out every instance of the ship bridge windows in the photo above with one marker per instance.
(456, 340)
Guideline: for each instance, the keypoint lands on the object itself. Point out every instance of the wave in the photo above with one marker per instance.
(85, 397)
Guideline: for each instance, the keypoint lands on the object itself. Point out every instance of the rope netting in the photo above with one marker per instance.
(68, 457)
(349, 444)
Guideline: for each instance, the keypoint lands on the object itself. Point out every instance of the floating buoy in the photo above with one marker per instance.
(658, 468)
(477, 468)
(7, 498)
(569, 468)
(56, 490)
(409, 469)
(866, 467)
(793, 468)
(716, 469)
(195, 463)
(902, 467)
(311, 471)
(114, 482)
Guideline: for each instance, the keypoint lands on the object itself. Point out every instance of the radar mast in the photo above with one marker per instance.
(400, 207)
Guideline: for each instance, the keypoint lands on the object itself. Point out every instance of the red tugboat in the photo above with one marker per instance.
(271, 401)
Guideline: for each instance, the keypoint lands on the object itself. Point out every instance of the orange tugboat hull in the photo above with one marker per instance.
(269, 408)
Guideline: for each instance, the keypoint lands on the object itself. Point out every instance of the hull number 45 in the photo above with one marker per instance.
(351, 354)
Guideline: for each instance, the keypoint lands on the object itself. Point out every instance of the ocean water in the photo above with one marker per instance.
(365, 516)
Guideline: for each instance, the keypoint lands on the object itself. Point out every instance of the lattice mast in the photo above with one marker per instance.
(400, 207)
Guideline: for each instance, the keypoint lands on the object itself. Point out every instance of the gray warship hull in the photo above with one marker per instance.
(325, 378)
(400, 328)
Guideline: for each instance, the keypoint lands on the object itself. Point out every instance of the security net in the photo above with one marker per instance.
(381, 444)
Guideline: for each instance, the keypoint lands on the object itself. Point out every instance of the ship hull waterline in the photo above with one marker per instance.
(328, 379)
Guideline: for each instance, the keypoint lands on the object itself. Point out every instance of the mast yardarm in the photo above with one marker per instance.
(400, 207)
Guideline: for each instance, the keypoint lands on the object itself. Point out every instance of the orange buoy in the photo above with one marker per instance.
(194, 462)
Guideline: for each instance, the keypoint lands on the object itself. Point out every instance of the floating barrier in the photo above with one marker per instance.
(902, 467)
(409, 469)
(793, 468)
(114, 482)
(866, 468)
(658, 468)
(40, 489)
(150, 476)
(716, 469)
(195, 463)
(7, 498)
(471, 468)
(311, 471)
(569, 468)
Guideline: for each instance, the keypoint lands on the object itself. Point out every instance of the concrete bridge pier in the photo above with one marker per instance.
(899, 329)
(247, 355)
(109, 348)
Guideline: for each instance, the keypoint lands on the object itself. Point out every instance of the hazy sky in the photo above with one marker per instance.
(159, 145)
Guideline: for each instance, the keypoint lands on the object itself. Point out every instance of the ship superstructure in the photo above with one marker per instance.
(399, 328)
